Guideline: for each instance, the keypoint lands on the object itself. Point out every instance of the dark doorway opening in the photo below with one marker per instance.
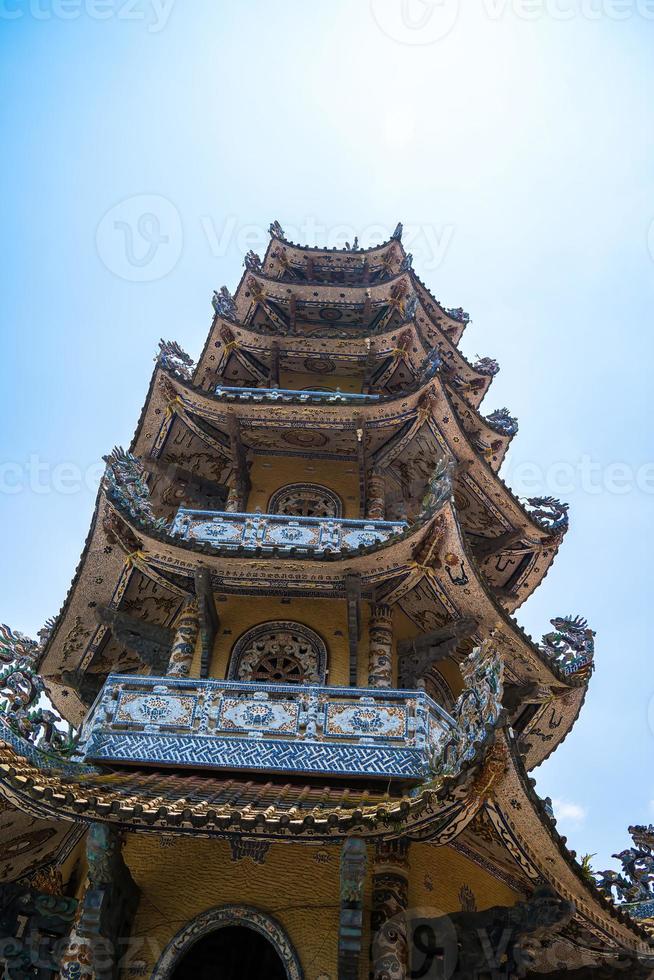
(231, 953)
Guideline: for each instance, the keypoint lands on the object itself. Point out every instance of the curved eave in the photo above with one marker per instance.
(215, 805)
(393, 410)
(527, 831)
(396, 559)
(318, 250)
(426, 337)
(333, 294)
(455, 327)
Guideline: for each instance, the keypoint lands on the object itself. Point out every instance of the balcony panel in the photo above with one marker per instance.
(276, 728)
(267, 531)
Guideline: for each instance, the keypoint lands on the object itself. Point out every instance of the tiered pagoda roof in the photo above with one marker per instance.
(343, 356)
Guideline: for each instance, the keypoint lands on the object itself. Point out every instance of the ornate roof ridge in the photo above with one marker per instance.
(277, 235)
(549, 823)
(57, 791)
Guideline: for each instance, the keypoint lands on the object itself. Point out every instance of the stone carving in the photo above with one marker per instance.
(223, 304)
(635, 882)
(173, 358)
(21, 690)
(468, 942)
(411, 307)
(476, 711)
(125, 485)
(253, 262)
(280, 652)
(439, 488)
(570, 645)
(486, 365)
(503, 422)
(458, 313)
(276, 230)
(549, 513)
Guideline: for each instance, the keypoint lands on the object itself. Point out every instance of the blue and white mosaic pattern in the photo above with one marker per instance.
(267, 531)
(292, 395)
(277, 727)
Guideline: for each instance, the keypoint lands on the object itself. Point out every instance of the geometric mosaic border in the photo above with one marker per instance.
(200, 751)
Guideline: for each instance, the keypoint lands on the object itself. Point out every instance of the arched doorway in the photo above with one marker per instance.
(232, 953)
(232, 942)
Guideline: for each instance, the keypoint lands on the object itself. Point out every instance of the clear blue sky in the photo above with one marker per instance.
(515, 142)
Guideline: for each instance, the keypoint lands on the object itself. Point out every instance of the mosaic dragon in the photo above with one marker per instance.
(635, 882)
(571, 644)
(126, 486)
(21, 690)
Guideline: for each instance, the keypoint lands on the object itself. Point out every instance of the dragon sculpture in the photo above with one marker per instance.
(276, 230)
(487, 366)
(126, 487)
(253, 262)
(503, 422)
(439, 488)
(635, 882)
(21, 690)
(173, 358)
(223, 304)
(549, 512)
(397, 234)
(477, 709)
(571, 644)
(457, 313)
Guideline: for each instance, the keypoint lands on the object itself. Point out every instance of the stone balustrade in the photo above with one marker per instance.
(292, 395)
(277, 728)
(235, 531)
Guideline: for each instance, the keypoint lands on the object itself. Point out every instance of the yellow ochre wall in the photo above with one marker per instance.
(269, 473)
(298, 885)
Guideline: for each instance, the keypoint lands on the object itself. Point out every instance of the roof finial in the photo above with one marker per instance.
(397, 234)
(276, 230)
(223, 303)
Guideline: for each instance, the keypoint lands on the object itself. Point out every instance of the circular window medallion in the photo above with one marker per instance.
(305, 500)
(305, 438)
(279, 653)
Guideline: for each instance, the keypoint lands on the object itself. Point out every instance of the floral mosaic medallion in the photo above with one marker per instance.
(241, 714)
(220, 918)
(387, 721)
(155, 709)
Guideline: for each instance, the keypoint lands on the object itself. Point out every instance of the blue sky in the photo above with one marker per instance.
(514, 139)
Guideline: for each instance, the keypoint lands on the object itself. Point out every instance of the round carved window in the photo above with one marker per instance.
(279, 653)
(305, 500)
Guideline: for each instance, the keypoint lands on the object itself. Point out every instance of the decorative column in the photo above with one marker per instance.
(380, 658)
(186, 635)
(105, 913)
(233, 500)
(354, 865)
(376, 496)
(390, 901)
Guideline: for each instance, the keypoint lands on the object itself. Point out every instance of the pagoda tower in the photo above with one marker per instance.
(292, 718)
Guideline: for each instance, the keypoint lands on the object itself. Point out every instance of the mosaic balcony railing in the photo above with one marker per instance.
(281, 728)
(267, 531)
(292, 395)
